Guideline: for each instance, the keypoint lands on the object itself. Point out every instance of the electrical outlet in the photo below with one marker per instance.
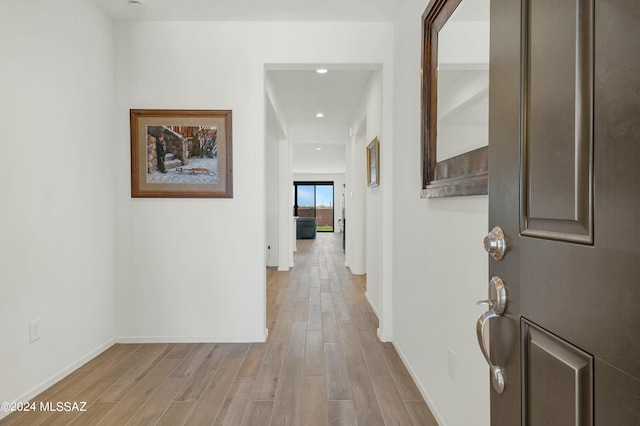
(34, 330)
(451, 363)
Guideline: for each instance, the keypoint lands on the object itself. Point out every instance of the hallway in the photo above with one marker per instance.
(322, 365)
(335, 370)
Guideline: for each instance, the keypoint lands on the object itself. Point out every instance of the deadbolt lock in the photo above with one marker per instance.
(495, 243)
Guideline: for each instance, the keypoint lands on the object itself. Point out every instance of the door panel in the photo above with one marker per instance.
(557, 53)
(617, 396)
(564, 185)
(587, 296)
(616, 127)
(558, 380)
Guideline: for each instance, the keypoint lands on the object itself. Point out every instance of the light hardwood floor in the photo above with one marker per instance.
(322, 365)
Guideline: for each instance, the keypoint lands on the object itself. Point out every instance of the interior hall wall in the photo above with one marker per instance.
(57, 214)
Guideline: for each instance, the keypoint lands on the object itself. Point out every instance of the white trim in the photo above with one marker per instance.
(33, 392)
(383, 337)
(423, 392)
(373, 306)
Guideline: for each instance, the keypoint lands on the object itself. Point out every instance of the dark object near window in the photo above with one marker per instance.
(306, 228)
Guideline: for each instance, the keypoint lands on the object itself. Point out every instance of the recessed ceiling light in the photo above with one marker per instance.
(319, 115)
(318, 149)
(322, 70)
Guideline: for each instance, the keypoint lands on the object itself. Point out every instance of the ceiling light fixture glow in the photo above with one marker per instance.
(322, 70)
(318, 149)
(319, 115)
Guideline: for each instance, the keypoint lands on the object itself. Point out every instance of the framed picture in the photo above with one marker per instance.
(181, 153)
(373, 163)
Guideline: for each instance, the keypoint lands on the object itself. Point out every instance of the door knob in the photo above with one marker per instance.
(495, 244)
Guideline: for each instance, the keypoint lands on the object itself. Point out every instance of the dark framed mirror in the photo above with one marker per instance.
(455, 98)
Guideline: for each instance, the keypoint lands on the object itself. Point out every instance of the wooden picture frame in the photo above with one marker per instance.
(373, 163)
(464, 174)
(195, 147)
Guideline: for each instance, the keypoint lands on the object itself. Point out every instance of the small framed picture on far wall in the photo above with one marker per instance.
(373, 163)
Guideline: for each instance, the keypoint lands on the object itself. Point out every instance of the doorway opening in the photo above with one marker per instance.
(315, 199)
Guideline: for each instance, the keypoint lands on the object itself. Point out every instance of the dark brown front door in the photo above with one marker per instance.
(564, 186)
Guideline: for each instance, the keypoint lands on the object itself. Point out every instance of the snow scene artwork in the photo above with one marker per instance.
(181, 153)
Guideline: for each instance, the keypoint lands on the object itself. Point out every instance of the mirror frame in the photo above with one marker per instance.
(465, 174)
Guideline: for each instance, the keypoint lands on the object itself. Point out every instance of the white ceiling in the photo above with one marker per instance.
(300, 94)
(252, 10)
(318, 143)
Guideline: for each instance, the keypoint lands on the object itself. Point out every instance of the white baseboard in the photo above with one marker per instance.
(373, 305)
(33, 392)
(422, 390)
(382, 337)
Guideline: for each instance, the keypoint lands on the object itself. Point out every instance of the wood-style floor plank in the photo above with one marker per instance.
(91, 393)
(180, 350)
(341, 413)
(195, 384)
(372, 354)
(192, 361)
(393, 409)
(127, 407)
(234, 406)
(313, 411)
(420, 413)
(209, 404)
(96, 411)
(314, 354)
(321, 365)
(330, 327)
(258, 413)
(157, 404)
(286, 407)
(253, 360)
(365, 401)
(297, 339)
(406, 386)
(348, 340)
(336, 373)
(314, 317)
(267, 380)
(177, 414)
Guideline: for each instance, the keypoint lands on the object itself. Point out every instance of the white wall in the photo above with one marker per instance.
(356, 213)
(440, 269)
(272, 192)
(376, 220)
(216, 289)
(274, 132)
(57, 222)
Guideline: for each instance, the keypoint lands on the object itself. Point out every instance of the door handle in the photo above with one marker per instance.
(497, 303)
(497, 373)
